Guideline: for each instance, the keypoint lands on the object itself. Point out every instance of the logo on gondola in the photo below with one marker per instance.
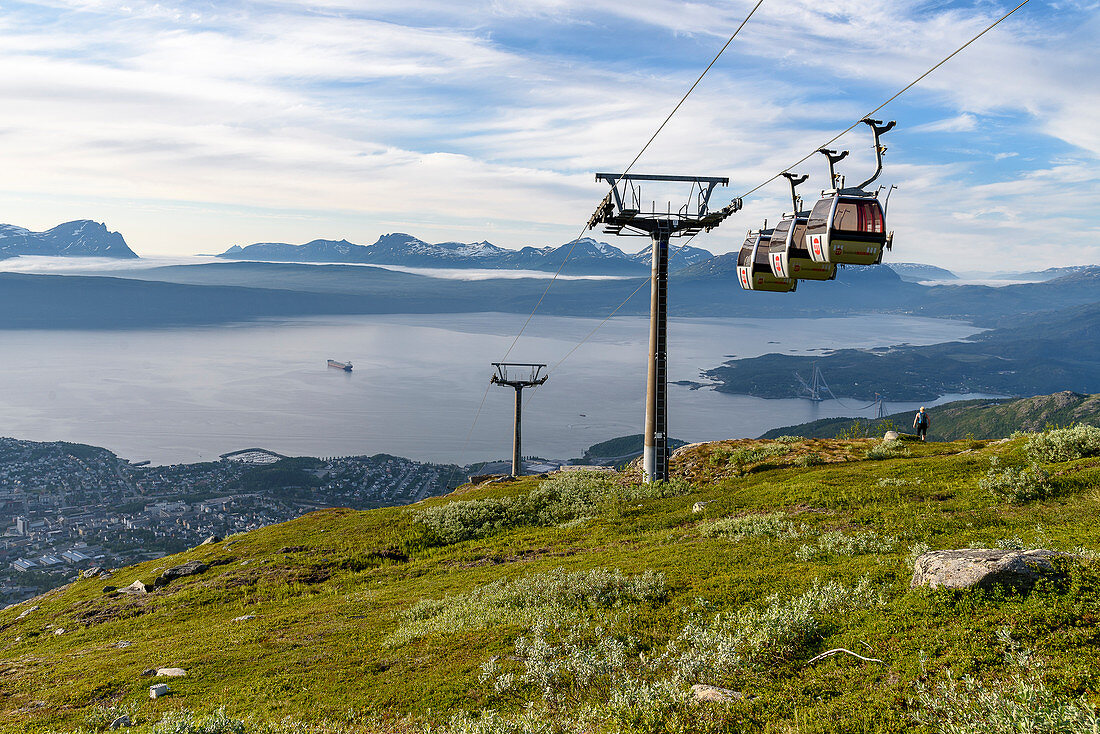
(744, 279)
(815, 241)
(779, 264)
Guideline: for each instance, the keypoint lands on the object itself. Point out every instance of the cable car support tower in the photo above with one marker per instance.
(532, 376)
(621, 213)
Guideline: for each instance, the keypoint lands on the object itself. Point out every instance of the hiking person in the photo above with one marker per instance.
(920, 422)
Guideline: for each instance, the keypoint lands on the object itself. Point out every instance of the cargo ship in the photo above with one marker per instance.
(345, 366)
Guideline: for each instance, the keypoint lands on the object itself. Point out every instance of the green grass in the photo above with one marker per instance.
(585, 604)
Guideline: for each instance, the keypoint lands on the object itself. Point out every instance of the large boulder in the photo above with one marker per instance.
(983, 567)
(187, 569)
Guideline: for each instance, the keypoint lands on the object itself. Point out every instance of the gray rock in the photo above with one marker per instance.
(713, 693)
(138, 587)
(172, 672)
(109, 589)
(982, 567)
(158, 690)
(244, 618)
(211, 540)
(59, 631)
(187, 569)
(148, 672)
(28, 610)
(890, 436)
(90, 572)
(699, 506)
(121, 644)
(122, 722)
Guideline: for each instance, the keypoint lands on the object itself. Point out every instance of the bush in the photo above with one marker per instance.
(743, 456)
(523, 600)
(772, 525)
(566, 497)
(1020, 704)
(1016, 483)
(887, 450)
(844, 544)
(185, 722)
(809, 459)
(650, 706)
(763, 635)
(1064, 444)
(469, 519)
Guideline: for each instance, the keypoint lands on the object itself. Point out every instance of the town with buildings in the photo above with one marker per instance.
(66, 508)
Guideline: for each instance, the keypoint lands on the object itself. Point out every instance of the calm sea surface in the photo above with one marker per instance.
(183, 395)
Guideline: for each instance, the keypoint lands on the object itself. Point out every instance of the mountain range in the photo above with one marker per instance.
(80, 238)
(586, 255)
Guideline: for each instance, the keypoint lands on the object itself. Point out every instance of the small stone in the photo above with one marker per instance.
(172, 672)
(984, 567)
(703, 692)
(890, 436)
(244, 618)
(138, 587)
(90, 572)
(148, 672)
(699, 506)
(211, 540)
(18, 639)
(122, 722)
(158, 690)
(121, 644)
(27, 611)
(109, 589)
(59, 631)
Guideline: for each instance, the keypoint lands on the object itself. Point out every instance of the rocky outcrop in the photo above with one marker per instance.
(701, 692)
(138, 587)
(187, 569)
(983, 567)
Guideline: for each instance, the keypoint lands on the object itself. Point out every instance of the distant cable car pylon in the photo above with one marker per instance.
(532, 378)
(816, 388)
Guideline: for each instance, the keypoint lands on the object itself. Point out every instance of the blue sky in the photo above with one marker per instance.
(190, 127)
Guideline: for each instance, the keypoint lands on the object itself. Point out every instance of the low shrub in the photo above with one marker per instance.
(1064, 444)
(1022, 703)
(185, 722)
(847, 544)
(523, 600)
(469, 519)
(741, 457)
(891, 449)
(771, 525)
(762, 635)
(566, 497)
(809, 459)
(1016, 483)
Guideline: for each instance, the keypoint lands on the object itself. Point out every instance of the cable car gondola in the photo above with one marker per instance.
(753, 271)
(848, 225)
(788, 256)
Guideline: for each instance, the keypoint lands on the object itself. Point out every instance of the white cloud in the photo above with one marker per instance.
(288, 120)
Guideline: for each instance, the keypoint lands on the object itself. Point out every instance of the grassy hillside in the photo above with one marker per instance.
(965, 419)
(586, 602)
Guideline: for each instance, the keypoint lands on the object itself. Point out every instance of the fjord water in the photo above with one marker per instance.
(190, 394)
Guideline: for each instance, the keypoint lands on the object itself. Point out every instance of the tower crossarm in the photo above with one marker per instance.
(621, 211)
